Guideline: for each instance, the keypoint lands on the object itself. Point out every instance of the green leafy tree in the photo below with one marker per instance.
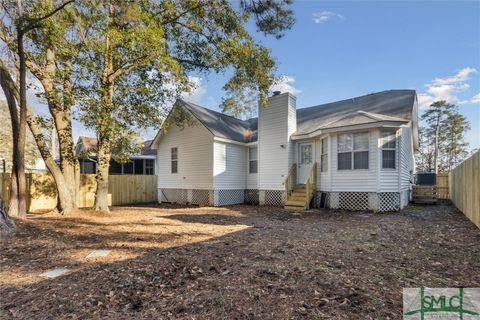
(51, 35)
(141, 53)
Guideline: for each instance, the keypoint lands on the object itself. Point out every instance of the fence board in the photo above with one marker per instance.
(464, 187)
(123, 189)
(442, 186)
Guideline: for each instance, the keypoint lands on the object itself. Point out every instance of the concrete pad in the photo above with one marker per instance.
(54, 273)
(98, 254)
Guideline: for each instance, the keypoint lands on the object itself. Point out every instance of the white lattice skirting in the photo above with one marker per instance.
(186, 196)
(226, 197)
(358, 201)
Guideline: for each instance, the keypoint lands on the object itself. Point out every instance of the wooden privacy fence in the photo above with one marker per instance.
(464, 187)
(442, 186)
(123, 189)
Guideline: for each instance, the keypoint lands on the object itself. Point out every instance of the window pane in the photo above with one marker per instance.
(345, 161)
(360, 160)
(174, 166)
(115, 168)
(324, 164)
(253, 154)
(360, 141)
(324, 146)
(388, 140)
(174, 153)
(253, 166)
(388, 159)
(306, 153)
(344, 143)
(128, 168)
(139, 166)
(87, 166)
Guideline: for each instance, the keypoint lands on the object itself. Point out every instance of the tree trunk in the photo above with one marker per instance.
(20, 161)
(66, 200)
(6, 224)
(5, 82)
(13, 197)
(101, 194)
(104, 124)
(437, 131)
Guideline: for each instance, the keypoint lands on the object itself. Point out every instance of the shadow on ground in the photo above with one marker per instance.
(239, 262)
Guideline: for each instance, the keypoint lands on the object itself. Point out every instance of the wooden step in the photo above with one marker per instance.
(294, 208)
(295, 203)
(298, 197)
(298, 193)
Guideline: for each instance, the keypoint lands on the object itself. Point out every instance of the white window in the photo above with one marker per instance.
(252, 160)
(324, 156)
(174, 164)
(388, 142)
(149, 166)
(352, 151)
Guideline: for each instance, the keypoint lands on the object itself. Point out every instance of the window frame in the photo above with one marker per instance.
(324, 154)
(394, 149)
(351, 149)
(250, 161)
(174, 160)
(152, 167)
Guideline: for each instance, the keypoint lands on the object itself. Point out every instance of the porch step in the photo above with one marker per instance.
(295, 203)
(294, 208)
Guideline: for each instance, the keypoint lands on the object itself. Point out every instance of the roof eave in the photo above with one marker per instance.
(372, 125)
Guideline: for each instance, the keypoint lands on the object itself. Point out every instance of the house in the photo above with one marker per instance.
(139, 164)
(354, 154)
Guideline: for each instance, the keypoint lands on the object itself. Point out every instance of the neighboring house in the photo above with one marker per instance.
(355, 154)
(141, 164)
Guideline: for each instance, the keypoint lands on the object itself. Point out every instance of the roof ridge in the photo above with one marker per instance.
(217, 112)
(357, 97)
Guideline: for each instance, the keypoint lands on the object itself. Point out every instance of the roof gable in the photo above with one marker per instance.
(391, 105)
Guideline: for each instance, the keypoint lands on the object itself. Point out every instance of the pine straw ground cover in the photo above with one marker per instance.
(241, 262)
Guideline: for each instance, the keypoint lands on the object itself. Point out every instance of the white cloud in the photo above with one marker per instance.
(197, 92)
(285, 84)
(473, 100)
(446, 88)
(324, 16)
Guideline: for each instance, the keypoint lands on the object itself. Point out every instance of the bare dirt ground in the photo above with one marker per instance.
(241, 262)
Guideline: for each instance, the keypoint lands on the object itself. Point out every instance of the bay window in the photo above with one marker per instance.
(324, 155)
(388, 142)
(352, 151)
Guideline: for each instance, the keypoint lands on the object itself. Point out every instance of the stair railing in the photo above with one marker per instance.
(311, 184)
(290, 181)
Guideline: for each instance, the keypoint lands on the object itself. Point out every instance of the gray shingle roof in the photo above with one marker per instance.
(224, 126)
(391, 105)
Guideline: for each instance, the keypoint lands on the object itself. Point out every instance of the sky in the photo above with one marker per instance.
(342, 49)
(338, 50)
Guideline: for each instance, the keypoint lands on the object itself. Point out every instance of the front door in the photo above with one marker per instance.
(305, 161)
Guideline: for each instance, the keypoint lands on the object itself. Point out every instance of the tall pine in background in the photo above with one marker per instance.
(442, 140)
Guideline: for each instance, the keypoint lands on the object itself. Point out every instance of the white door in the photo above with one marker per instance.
(305, 161)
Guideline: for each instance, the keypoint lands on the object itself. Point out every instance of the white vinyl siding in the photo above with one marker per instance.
(195, 158)
(407, 163)
(230, 167)
(275, 149)
(388, 178)
(360, 180)
(323, 178)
